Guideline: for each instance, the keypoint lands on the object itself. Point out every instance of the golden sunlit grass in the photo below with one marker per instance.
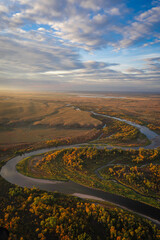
(69, 116)
(35, 117)
(19, 110)
(143, 109)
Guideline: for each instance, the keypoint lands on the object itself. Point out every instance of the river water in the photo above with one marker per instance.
(10, 173)
(152, 136)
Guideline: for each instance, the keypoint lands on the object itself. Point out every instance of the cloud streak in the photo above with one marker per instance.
(46, 43)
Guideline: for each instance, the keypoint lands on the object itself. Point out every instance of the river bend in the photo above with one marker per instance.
(9, 173)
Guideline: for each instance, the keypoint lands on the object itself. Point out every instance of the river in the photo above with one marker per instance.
(10, 173)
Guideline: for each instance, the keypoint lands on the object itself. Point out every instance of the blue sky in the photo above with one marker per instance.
(71, 45)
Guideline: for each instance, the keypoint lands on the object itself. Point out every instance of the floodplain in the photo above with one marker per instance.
(100, 153)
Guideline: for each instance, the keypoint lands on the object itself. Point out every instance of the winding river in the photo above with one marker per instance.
(10, 173)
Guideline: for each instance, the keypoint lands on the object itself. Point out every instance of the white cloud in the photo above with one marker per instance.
(3, 9)
(88, 4)
(29, 57)
(77, 21)
(145, 27)
(151, 16)
(86, 23)
(40, 40)
(114, 11)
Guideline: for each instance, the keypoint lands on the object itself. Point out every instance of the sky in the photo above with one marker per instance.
(80, 45)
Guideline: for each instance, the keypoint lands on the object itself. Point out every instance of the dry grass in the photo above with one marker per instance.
(30, 117)
(143, 109)
(70, 117)
(26, 135)
(16, 111)
(19, 116)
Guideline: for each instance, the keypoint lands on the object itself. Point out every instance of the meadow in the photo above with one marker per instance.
(140, 108)
(30, 119)
(35, 118)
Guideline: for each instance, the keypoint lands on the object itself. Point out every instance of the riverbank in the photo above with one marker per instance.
(10, 173)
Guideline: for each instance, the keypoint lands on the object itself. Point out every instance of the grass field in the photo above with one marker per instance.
(70, 117)
(31, 135)
(35, 117)
(141, 108)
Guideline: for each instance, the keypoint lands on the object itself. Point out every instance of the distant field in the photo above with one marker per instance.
(14, 111)
(29, 118)
(70, 117)
(143, 109)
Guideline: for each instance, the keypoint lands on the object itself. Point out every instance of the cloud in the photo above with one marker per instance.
(114, 11)
(87, 24)
(146, 27)
(25, 56)
(3, 9)
(21, 60)
(134, 71)
(41, 42)
(148, 74)
(153, 65)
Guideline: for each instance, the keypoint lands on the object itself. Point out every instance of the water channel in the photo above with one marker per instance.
(10, 173)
